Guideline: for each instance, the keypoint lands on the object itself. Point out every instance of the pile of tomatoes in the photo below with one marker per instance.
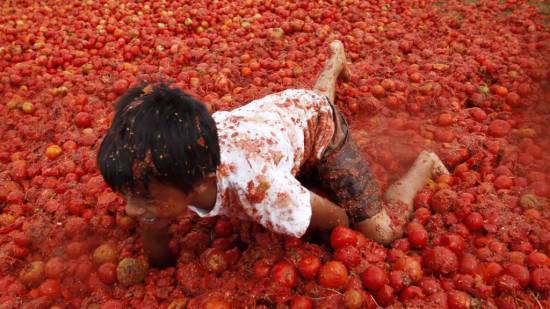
(466, 79)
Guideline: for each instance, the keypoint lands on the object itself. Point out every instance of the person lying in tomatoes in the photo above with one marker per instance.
(166, 153)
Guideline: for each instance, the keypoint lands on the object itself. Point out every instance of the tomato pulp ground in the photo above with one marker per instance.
(466, 79)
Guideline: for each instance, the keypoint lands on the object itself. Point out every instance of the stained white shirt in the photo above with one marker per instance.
(263, 145)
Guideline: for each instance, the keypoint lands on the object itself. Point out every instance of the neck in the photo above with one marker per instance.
(206, 198)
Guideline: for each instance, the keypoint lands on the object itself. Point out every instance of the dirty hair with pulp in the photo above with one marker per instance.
(161, 133)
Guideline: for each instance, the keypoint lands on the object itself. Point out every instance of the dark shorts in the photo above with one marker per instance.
(344, 175)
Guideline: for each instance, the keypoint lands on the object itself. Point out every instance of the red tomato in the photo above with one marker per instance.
(385, 296)
(54, 268)
(342, 236)
(261, 269)
(378, 91)
(50, 288)
(223, 228)
(112, 304)
(410, 266)
(468, 264)
(333, 274)
(445, 119)
(353, 299)
(454, 242)
(540, 279)
(441, 260)
(410, 293)
(458, 300)
(513, 99)
(217, 304)
(499, 128)
(309, 266)
(214, 260)
(507, 284)
(283, 273)
(474, 221)
(301, 302)
(536, 259)
(349, 255)
(374, 278)
(417, 235)
(444, 200)
(120, 86)
(83, 120)
(107, 273)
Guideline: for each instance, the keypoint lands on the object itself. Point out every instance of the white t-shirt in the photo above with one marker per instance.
(263, 145)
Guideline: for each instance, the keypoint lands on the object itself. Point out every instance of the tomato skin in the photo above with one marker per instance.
(83, 120)
(474, 221)
(417, 235)
(112, 304)
(441, 260)
(342, 236)
(353, 299)
(410, 266)
(284, 273)
(261, 269)
(507, 284)
(385, 296)
(537, 258)
(223, 228)
(301, 302)
(107, 273)
(309, 267)
(499, 128)
(217, 304)
(410, 293)
(50, 288)
(444, 200)
(454, 242)
(374, 278)
(214, 260)
(333, 274)
(54, 268)
(468, 264)
(458, 300)
(33, 274)
(349, 255)
(120, 86)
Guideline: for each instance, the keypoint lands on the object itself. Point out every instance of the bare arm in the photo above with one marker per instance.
(155, 245)
(325, 214)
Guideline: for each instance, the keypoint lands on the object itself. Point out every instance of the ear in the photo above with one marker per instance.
(205, 183)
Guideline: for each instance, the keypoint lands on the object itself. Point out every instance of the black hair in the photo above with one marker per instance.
(158, 132)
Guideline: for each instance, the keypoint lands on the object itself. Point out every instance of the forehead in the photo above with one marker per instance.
(157, 191)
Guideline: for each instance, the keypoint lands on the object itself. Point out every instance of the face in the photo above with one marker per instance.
(163, 204)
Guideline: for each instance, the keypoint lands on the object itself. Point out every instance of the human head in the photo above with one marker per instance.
(160, 136)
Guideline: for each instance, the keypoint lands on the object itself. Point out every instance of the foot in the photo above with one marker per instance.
(380, 228)
(339, 59)
(438, 168)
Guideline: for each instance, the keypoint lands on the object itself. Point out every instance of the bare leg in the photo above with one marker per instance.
(334, 67)
(404, 190)
(380, 226)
